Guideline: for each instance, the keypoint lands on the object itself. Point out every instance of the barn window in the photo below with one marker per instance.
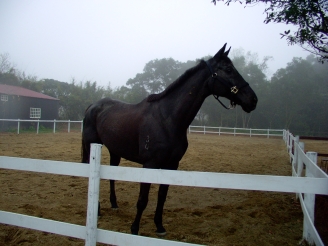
(4, 98)
(35, 113)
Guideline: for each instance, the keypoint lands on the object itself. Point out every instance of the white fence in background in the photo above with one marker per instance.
(236, 131)
(37, 122)
(315, 182)
(192, 129)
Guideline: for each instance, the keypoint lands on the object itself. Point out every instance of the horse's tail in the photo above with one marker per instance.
(85, 148)
(84, 157)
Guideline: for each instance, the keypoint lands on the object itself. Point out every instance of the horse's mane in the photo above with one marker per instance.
(179, 81)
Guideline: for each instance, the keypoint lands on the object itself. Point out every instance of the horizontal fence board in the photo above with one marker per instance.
(45, 166)
(236, 131)
(311, 166)
(41, 121)
(40, 224)
(184, 178)
(78, 231)
(118, 238)
(218, 180)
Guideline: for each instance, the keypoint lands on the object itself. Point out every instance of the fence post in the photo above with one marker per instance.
(250, 132)
(82, 126)
(268, 136)
(93, 195)
(309, 201)
(289, 142)
(69, 126)
(287, 139)
(54, 125)
(18, 124)
(299, 163)
(296, 141)
(234, 131)
(37, 127)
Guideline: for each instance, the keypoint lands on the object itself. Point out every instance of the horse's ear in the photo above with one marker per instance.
(227, 52)
(220, 52)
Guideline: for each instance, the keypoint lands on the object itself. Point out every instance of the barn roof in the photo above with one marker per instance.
(20, 91)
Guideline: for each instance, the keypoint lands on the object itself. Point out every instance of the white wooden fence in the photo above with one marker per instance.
(55, 122)
(192, 129)
(299, 161)
(236, 131)
(315, 182)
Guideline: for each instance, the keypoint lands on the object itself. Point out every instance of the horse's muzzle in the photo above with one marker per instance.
(251, 105)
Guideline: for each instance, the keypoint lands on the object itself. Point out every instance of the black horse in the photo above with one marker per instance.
(153, 132)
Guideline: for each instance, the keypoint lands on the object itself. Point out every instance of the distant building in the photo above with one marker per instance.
(20, 103)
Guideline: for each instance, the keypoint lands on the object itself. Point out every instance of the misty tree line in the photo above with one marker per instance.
(295, 97)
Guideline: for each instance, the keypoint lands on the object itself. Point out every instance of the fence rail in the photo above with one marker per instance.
(236, 131)
(314, 182)
(192, 129)
(55, 123)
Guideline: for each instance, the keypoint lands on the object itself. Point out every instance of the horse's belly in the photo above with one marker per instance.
(122, 143)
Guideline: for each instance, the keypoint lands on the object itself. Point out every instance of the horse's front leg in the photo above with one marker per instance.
(158, 219)
(141, 205)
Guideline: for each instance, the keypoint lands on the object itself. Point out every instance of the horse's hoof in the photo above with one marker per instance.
(115, 209)
(134, 230)
(161, 234)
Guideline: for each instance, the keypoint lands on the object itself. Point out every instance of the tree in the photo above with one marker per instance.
(310, 16)
(76, 98)
(7, 71)
(253, 70)
(9, 79)
(5, 65)
(122, 93)
(157, 75)
(301, 94)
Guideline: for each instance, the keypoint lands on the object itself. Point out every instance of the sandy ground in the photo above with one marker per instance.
(195, 215)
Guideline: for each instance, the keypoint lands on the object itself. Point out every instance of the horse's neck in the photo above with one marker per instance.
(186, 101)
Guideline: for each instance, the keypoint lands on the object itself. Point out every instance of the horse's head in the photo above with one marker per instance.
(227, 82)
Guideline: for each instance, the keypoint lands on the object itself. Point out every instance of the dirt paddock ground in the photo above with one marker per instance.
(194, 215)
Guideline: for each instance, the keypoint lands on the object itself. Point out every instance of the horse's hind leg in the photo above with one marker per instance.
(114, 161)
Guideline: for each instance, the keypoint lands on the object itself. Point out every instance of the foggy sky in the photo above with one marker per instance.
(111, 41)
